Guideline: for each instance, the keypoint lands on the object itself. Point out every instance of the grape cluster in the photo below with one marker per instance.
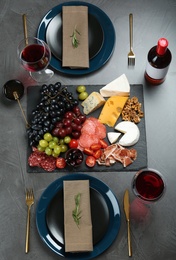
(71, 124)
(52, 145)
(55, 101)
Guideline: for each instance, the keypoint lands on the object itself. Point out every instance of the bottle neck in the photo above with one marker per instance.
(162, 46)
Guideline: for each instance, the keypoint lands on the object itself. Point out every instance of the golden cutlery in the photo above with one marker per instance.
(16, 97)
(126, 204)
(131, 55)
(29, 203)
(25, 28)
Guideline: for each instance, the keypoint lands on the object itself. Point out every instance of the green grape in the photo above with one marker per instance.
(41, 149)
(52, 144)
(43, 143)
(48, 151)
(81, 88)
(61, 141)
(83, 95)
(48, 137)
(64, 148)
(57, 149)
(55, 139)
(67, 139)
(54, 154)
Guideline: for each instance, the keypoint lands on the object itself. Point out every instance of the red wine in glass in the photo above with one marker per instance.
(148, 185)
(35, 57)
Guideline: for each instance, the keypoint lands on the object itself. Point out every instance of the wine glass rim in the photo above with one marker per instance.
(136, 191)
(34, 38)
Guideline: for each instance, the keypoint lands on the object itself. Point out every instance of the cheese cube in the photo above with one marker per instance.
(92, 102)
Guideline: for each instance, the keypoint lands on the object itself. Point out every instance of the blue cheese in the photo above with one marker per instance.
(92, 102)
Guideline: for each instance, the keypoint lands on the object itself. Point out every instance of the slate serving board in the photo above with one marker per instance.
(33, 98)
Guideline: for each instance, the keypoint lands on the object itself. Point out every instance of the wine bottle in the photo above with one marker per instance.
(158, 61)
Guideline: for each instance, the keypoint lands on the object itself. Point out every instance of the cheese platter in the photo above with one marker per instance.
(137, 140)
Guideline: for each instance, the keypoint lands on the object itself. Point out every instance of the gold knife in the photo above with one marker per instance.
(126, 204)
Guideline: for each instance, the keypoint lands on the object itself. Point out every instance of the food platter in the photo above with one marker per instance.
(105, 229)
(101, 37)
(33, 95)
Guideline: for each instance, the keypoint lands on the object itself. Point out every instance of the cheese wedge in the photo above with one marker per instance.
(118, 87)
(113, 137)
(112, 110)
(92, 102)
(131, 133)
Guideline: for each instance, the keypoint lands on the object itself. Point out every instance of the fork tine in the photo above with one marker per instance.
(27, 192)
(31, 193)
(131, 61)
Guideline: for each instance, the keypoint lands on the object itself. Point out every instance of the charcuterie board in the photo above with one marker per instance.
(33, 97)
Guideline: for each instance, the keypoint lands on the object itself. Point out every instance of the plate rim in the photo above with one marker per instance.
(102, 56)
(114, 214)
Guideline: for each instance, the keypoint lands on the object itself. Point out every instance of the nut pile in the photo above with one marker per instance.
(132, 110)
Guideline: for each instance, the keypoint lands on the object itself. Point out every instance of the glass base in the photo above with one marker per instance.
(42, 76)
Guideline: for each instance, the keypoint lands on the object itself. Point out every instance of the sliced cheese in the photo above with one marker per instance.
(112, 110)
(118, 87)
(92, 102)
(113, 137)
(131, 133)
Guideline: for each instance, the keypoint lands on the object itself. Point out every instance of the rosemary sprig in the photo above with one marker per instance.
(75, 41)
(76, 213)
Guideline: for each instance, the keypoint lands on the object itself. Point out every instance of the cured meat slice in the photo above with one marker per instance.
(35, 158)
(88, 127)
(109, 150)
(117, 153)
(127, 161)
(86, 140)
(92, 131)
(133, 154)
(100, 131)
(49, 164)
(42, 160)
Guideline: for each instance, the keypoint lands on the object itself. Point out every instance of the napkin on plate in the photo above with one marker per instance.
(75, 20)
(77, 234)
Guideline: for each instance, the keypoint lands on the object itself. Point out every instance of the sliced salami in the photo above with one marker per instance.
(86, 140)
(100, 131)
(91, 132)
(88, 127)
(40, 159)
(49, 164)
(35, 158)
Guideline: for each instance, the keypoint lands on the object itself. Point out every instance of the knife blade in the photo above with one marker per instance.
(126, 204)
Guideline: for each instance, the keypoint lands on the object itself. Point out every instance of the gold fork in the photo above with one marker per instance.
(29, 203)
(131, 55)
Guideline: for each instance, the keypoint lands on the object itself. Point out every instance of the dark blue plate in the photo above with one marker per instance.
(107, 47)
(104, 234)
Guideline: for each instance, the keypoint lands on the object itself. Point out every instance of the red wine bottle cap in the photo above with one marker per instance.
(162, 46)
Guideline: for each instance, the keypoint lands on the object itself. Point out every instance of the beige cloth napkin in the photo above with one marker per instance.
(78, 238)
(75, 17)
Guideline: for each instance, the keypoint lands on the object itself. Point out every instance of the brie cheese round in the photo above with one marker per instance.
(131, 133)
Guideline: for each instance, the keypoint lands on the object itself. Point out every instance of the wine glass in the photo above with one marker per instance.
(35, 57)
(148, 185)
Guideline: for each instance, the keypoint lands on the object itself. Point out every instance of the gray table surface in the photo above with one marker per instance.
(153, 237)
